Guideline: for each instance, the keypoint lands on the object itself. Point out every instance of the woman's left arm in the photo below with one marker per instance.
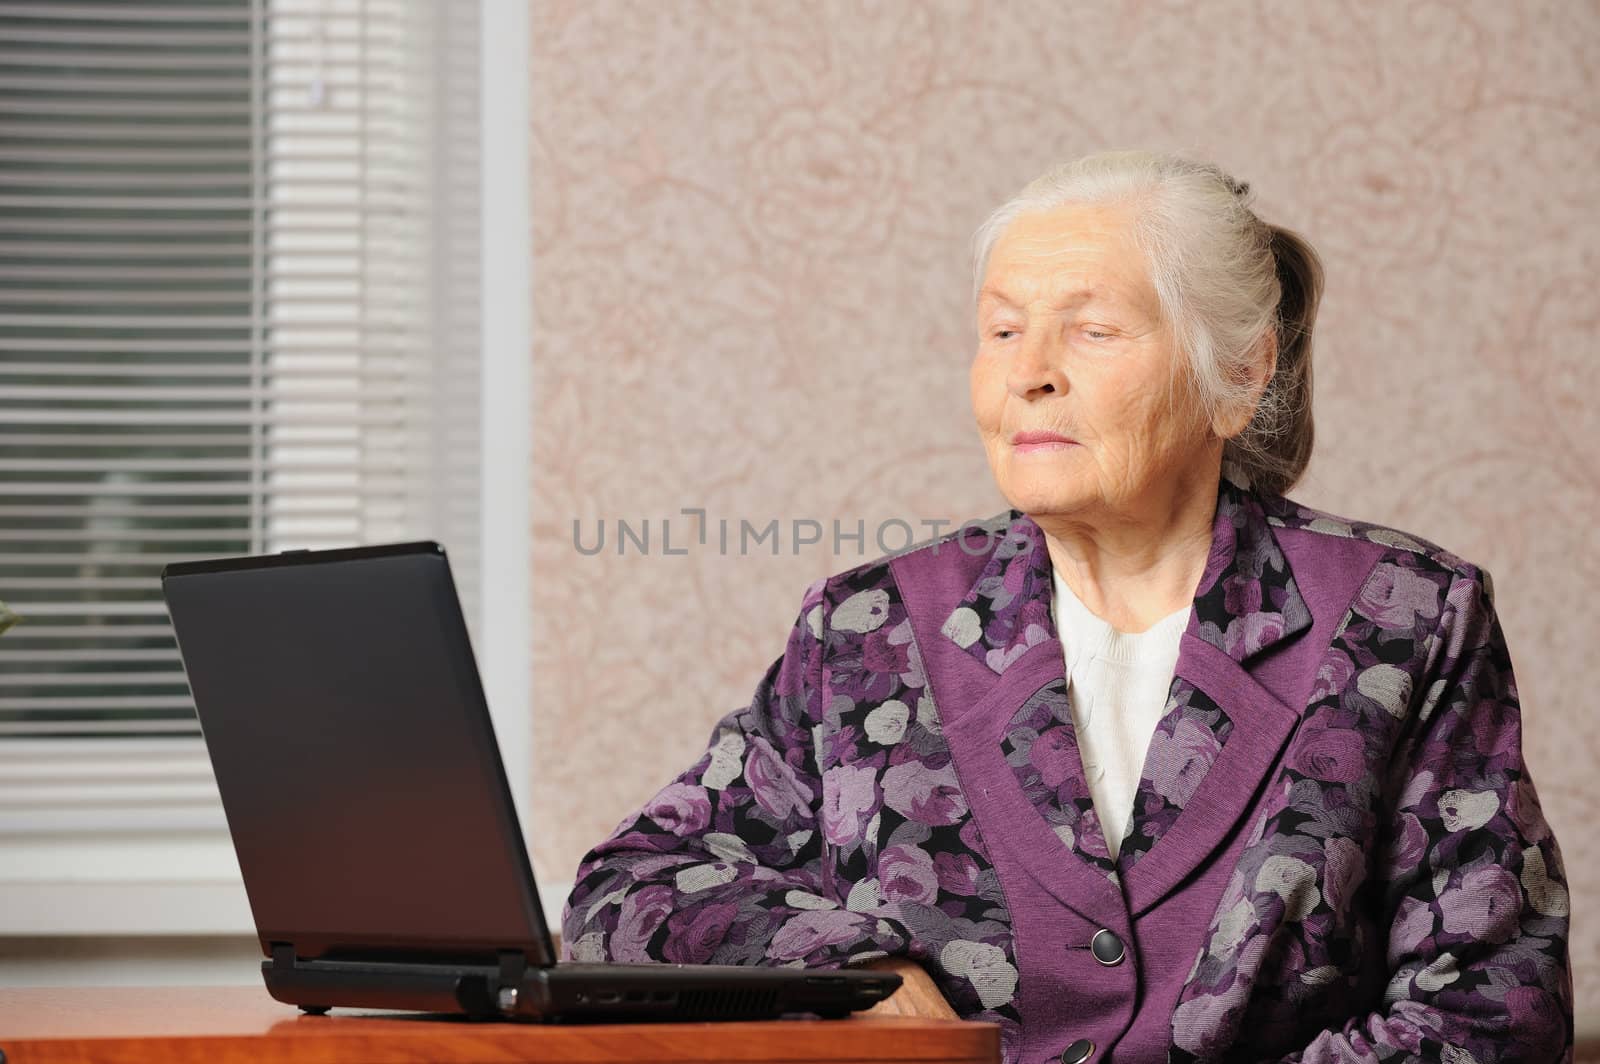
(1474, 896)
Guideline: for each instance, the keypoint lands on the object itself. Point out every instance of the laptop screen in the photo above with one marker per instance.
(354, 753)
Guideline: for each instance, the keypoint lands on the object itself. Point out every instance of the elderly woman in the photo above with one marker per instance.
(1159, 765)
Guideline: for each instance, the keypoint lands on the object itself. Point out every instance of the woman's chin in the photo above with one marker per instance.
(1038, 495)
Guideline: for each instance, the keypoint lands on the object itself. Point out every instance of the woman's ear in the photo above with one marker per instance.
(1255, 374)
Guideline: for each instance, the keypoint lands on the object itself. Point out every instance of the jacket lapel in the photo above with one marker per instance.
(1007, 608)
(1219, 735)
(1222, 729)
(996, 671)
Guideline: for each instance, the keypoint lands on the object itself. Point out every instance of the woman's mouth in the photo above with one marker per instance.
(1040, 442)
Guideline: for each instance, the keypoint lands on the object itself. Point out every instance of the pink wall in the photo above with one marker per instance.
(750, 296)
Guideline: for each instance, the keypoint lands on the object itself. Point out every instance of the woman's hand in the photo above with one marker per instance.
(918, 995)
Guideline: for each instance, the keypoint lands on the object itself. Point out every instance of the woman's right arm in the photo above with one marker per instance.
(725, 864)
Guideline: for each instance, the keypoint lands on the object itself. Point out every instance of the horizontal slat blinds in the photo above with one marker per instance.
(104, 266)
(238, 314)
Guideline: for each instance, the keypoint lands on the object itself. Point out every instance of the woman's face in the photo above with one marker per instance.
(1072, 344)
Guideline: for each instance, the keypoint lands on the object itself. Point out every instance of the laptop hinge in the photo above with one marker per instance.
(283, 955)
(513, 966)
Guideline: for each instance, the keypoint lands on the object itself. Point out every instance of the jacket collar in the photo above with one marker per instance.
(1246, 602)
(1001, 677)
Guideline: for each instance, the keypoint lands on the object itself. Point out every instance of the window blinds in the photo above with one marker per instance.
(238, 314)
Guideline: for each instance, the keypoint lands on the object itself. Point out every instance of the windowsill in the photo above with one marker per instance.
(152, 907)
(107, 907)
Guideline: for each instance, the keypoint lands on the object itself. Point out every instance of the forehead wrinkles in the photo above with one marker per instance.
(1053, 258)
(1069, 282)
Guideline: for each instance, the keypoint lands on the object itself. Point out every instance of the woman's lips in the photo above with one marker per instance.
(1040, 442)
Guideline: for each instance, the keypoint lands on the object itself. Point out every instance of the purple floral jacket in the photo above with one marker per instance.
(1336, 851)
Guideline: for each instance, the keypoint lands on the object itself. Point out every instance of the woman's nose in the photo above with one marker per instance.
(1035, 370)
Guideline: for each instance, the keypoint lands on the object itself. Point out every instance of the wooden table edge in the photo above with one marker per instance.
(230, 1025)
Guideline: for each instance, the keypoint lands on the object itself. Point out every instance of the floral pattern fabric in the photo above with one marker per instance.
(1041, 747)
(1398, 895)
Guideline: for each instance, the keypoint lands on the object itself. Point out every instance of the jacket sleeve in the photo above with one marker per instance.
(725, 864)
(1473, 893)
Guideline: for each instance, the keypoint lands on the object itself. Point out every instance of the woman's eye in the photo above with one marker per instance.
(1097, 334)
(1002, 334)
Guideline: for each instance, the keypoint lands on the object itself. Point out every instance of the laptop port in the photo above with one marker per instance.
(634, 996)
(607, 997)
(666, 997)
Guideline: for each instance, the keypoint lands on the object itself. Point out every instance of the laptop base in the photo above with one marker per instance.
(575, 992)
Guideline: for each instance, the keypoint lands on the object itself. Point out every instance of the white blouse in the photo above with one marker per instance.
(1117, 685)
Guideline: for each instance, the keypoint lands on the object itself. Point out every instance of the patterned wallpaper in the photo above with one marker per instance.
(750, 302)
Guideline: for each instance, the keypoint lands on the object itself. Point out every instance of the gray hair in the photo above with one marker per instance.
(1227, 281)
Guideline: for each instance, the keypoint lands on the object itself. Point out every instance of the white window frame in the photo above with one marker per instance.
(187, 882)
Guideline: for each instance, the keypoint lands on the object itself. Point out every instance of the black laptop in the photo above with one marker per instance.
(369, 808)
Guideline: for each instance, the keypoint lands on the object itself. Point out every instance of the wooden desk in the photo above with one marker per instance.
(231, 1025)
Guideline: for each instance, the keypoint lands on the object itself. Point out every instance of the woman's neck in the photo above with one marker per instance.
(1142, 563)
